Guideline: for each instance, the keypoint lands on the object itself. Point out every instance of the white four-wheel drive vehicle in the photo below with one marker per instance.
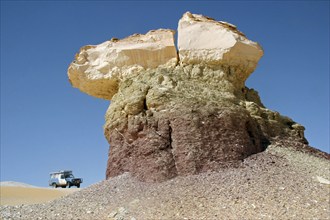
(63, 179)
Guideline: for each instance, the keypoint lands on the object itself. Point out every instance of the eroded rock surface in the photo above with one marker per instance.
(173, 116)
(97, 70)
(214, 43)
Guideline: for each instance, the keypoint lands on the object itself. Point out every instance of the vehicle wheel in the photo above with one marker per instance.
(69, 185)
(54, 185)
(78, 186)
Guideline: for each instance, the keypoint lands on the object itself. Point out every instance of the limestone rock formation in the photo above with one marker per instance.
(173, 116)
(97, 70)
(213, 43)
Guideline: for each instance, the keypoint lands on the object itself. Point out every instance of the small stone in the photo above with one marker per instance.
(121, 210)
(323, 180)
(112, 214)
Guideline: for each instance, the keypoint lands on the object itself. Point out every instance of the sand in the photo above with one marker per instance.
(17, 195)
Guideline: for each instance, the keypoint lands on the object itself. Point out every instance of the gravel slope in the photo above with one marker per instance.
(280, 183)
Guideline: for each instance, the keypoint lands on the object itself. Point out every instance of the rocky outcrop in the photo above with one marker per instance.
(183, 115)
(202, 40)
(97, 70)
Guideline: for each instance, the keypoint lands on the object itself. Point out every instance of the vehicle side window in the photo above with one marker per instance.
(62, 176)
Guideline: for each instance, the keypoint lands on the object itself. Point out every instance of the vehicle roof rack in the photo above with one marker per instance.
(62, 171)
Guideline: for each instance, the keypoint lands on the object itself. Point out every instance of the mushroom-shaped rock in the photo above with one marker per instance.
(170, 118)
(97, 70)
(203, 40)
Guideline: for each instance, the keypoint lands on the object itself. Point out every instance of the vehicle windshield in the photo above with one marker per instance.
(69, 176)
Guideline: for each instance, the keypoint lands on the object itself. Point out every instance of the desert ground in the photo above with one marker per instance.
(279, 183)
(14, 193)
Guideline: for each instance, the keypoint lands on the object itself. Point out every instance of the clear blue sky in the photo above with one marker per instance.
(47, 125)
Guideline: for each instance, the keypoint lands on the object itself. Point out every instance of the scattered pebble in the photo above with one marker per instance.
(323, 180)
